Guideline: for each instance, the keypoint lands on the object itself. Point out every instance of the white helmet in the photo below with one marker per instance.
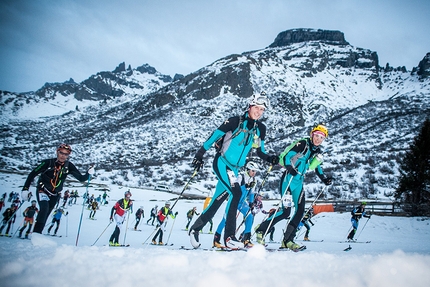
(259, 100)
(252, 166)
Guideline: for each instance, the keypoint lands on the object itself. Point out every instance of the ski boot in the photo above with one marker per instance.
(246, 240)
(290, 245)
(160, 243)
(111, 243)
(260, 239)
(306, 239)
(154, 242)
(217, 242)
(194, 238)
(232, 243)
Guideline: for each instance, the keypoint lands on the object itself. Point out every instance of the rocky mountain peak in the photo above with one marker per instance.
(424, 67)
(289, 37)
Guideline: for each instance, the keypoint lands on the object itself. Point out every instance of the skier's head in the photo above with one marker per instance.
(257, 104)
(33, 202)
(318, 134)
(167, 204)
(252, 166)
(63, 152)
(127, 194)
(363, 203)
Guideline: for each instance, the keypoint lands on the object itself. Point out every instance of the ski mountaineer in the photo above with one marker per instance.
(153, 214)
(239, 134)
(139, 215)
(306, 154)
(56, 219)
(357, 213)
(118, 212)
(247, 184)
(9, 216)
(190, 215)
(94, 207)
(305, 222)
(53, 173)
(28, 213)
(161, 219)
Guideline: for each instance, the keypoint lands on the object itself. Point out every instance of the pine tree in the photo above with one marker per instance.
(414, 182)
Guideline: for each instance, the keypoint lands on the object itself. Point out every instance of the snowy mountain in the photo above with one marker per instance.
(141, 127)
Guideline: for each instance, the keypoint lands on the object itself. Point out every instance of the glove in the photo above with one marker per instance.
(291, 170)
(176, 213)
(197, 163)
(91, 171)
(251, 205)
(111, 219)
(273, 159)
(327, 180)
(67, 213)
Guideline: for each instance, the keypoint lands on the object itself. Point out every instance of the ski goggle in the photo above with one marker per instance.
(260, 101)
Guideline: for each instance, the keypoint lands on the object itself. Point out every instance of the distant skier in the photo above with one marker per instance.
(190, 215)
(28, 213)
(139, 215)
(153, 215)
(57, 219)
(161, 219)
(9, 216)
(357, 213)
(305, 222)
(53, 173)
(94, 207)
(118, 213)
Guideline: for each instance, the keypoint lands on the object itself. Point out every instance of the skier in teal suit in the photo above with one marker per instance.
(237, 135)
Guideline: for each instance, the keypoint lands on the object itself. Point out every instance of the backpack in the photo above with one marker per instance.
(228, 136)
(287, 150)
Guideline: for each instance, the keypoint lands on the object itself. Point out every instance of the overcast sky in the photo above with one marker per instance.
(52, 41)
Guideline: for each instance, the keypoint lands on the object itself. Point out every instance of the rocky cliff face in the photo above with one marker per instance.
(424, 67)
(306, 35)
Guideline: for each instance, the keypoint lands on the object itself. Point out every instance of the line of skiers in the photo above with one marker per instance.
(236, 140)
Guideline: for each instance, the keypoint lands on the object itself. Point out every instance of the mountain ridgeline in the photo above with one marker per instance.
(142, 127)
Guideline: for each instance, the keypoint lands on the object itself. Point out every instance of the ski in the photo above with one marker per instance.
(6, 235)
(348, 248)
(121, 245)
(53, 235)
(166, 244)
(312, 240)
(353, 241)
(226, 249)
(301, 248)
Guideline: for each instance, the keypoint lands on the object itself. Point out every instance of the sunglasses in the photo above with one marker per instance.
(63, 153)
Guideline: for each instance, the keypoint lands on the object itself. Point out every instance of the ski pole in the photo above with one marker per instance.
(110, 222)
(126, 226)
(362, 228)
(185, 187)
(171, 228)
(19, 227)
(279, 205)
(82, 212)
(258, 193)
(67, 225)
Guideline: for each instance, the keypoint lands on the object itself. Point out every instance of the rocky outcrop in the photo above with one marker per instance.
(424, 67)
(305, 35)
